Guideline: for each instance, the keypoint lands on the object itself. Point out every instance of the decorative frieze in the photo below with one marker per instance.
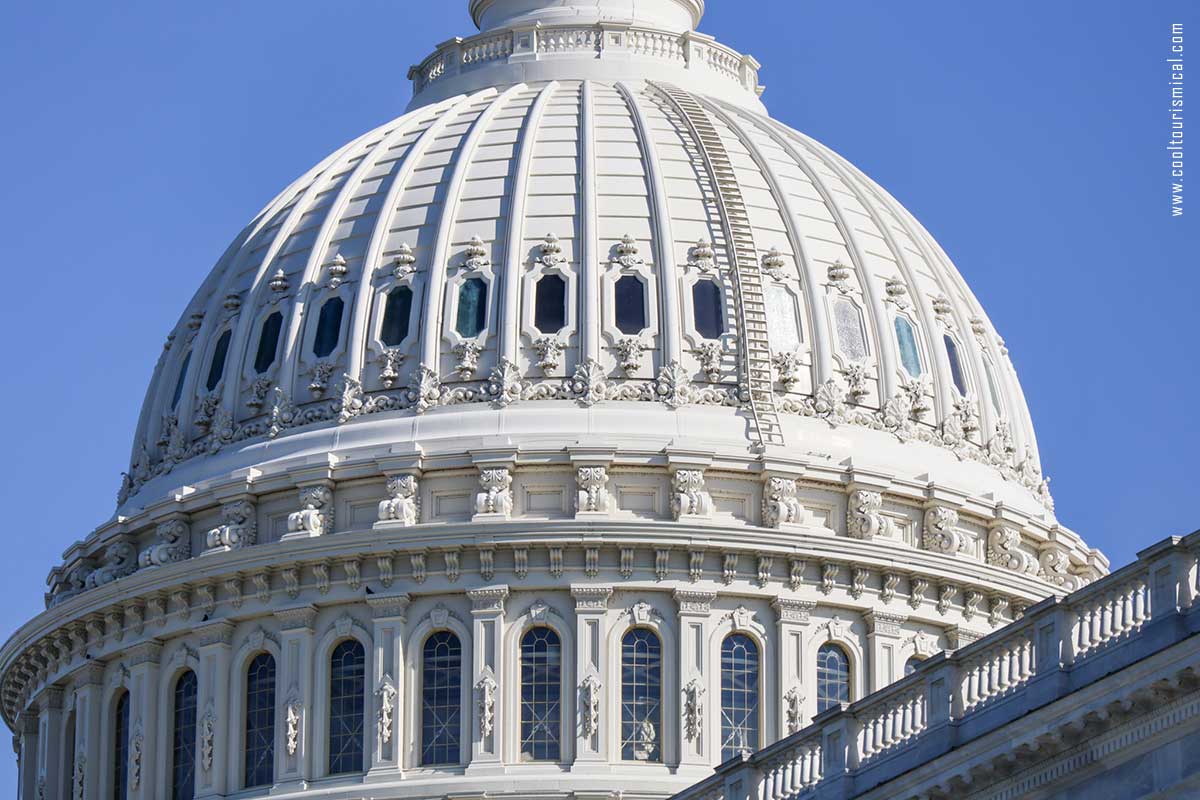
(797, 611)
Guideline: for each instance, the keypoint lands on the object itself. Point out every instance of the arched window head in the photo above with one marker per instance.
(550, 304)
(852, 341)
(347, 691)
(911, 665)
(259, 745)
(329, 327)
(739, 696)
(906, 342)
(441, 699)
(217, 368)
(120, 751)
(268, 342)
(541, 695)
(956, 369)
(397, 314)
(183, 738)
(183, 369)
(472, 308)
(641, 696)
(833, 677)
(708, 309)
(629, 294)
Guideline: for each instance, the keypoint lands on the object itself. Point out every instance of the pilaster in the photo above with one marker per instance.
(793, 619)
(388, 629)
(89, 719)
(27, 758)
(695, 610)
(50, 722)
(293, 759)
(883, 642)
(487, 713)
(591, 607)
(213, 746)
(143, 662)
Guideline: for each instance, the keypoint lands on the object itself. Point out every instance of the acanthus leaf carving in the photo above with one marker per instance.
(486, 689)
(593, 495)
(693, 709)
(589, 696)
(496, 497)
(315, 516)
(404, 503)
(237, 529)
(689, 496)
(173, 542)
(385, 697)
(865, 519)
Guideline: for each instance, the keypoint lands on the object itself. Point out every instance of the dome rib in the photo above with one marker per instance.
(589, 225)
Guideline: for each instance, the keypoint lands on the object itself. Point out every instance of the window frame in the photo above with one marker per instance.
(758, 710)
(412, 337)
(560, 694)
(325, 711)
(417, 699)
(651, 335)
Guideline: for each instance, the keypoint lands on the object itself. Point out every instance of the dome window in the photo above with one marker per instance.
(906, 341)
(472, 308)
(550, 304)
(852, 342)
(956, 370)
(217, 368)
(187, 360)
(541, 690)
(120, 750)
(708, 309)
(268, 342)
(329, 327)
(630, 295)
(397, 312)
(258, 749)
(739, 696)
(833, 677)
(347, 689)
(641, 696)
(783, 324)
(441, 701)
(183, 737)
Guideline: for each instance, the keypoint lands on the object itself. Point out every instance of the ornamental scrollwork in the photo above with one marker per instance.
(864, 518)
(940, 533)
(496, 497)
(403, 504)
(315, 516)
(627, 253)
(689, 497)
(693, 709)
(593, 495)
(120, 560)
(486, 689)
(780, 506)
(589, 694)
(549, 351)
(385, 695)
(468, 354)
(1004, 550)
(172, 543)
(237, 528)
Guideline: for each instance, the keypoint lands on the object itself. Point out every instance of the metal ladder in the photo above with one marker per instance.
(756, 376)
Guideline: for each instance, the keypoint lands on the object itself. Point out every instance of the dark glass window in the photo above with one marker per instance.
(329, 327)
(347, 687)
(708, 309)
(183, 738)
(833, 677)
(911, 665)
(260, 722)
(397, 310)
(956, 370)
(217, 367)
(630, 295)
(183, 368)
(541, 695)
(268, 342)
(641, 696)
(120, 782)
(550, 304)
(441, 700)
(906, 339)
(739, 695)
(472, 308)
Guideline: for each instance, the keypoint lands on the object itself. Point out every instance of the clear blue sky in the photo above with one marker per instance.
(1028, 135)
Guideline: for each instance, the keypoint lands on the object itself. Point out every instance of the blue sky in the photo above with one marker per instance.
(1029, 137)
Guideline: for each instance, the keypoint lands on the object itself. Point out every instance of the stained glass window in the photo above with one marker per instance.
(708, 309)
(268, 342)
(630, 295)
(906, 341)
(956, 370)
(397, 311)
(259, 766)
(541, 695)
(179, 381)
(833, 677)
(852, 341)
(441, 701)
(641, 696)
(183, 738)
(472, 308)
(329, 327)
(347, 688)
(739, 695)
(217, 367)
(550, 304)
(120, 782)
(783, 323)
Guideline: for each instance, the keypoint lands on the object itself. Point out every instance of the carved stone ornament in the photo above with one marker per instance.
(279, 281)
(496, 497)
(627, 253)
(896, 292)
(916, 593)
(486, 690)
(836, 628)
(593, 495)
(385, 697)
(80, 776)
(788, 368)
(315, 516)
(351, 403)
(321, 372)
(642, 613)
(855, 373)
(589, 706)
(829, 573)
(336, 270)
(793, 709)
(629, 354)
(504, 385)
(390, 361)
(404, 262)
(587, 385)
(551, 250)
(689, 498)
(424, 390)
(702, 256)
(942, 309)
(924, 644)
(476, 255)
(549, 351)
(864, 516)
(403, 504)
(940, 534)
(773, 263)
(693, 709)
(709, 355)
(173, 542)
(1004, 550)
(1054, 567)
(137, 745)
(120, 559)
(292, 718)
(780, 505)
(237, 529)
(839, 276)
(467, 354)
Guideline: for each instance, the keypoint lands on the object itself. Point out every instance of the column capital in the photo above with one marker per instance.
(216, 633)
(881, 623)
(694, 601)
(591, 598)
(298, 618)
(148, 652)
(389, 606)
(790, 610)
(488, 599)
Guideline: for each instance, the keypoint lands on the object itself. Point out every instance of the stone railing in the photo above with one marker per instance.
(1061, 645)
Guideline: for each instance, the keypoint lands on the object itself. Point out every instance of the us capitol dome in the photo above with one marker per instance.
(572, 433)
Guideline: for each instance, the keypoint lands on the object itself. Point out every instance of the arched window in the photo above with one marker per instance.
(550, 304)
(268, 342)
(329, 327)
(120, 765)
(187, 360)
(852, 341)
(472, 308)
(217, 368)
(906, 342)
(347, 688)
(833, 677)
(541, 695)
(739, 695)
(441, 700)
(708, 309)
(956, 370)
(260, 722)
(911, 665)
(397, 312)
(629, 294)
(641, 696)
(183, 738)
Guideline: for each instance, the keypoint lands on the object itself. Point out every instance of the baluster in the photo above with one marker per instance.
(994, 684)
(777, 780)
(1007, 679)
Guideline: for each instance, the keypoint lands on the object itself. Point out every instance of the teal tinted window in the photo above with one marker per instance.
(217, 367)
(956, 370)
(906, 340)
(268, 342)
(329, 327)
(397, 311)
(472, 308)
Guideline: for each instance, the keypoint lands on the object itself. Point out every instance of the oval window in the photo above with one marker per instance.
(268, 342)
(472, 308)
(397, 310)
(708, 309)
(629, 294)
(550, 304)
(329, 327)
(217, 367)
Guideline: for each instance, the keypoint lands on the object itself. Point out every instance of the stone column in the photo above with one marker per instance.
(213, 727)
(143, 661)
(27, 756)
(883, 642)
(694, 611)
(487, 712)
(50, 766)
(89, 719)
(591, 606)
(387, 675)
(794, 706)
(295, 695)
